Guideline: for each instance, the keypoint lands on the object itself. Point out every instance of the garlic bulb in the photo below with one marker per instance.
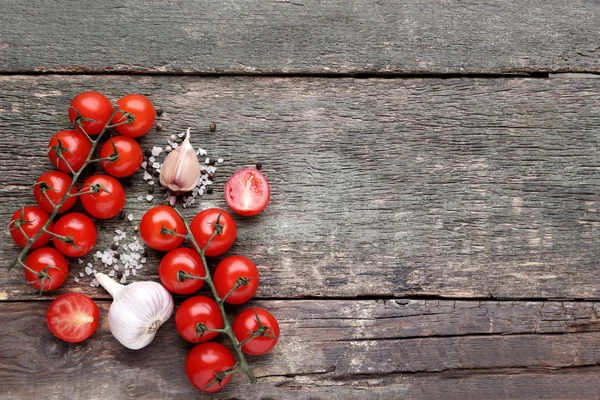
(137, 311)
(180, 171)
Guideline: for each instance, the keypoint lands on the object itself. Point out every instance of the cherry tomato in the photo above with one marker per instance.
(79, 228)
(130, 156)
(247, 191)
(181, 260)
(73, 146)
(202, 227)
(152, 223)
(204, 362)
(73, 317)
(246, 323)
(232, 270)
(55, 185)
(90, 105)
(106, 196)
(39, 260)
(195, 315)
(31, 221)
(143, 113)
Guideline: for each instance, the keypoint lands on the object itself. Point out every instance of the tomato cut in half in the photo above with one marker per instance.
(73, 317)
(247, 192)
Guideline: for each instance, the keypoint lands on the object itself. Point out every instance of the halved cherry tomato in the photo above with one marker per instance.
(203, 226)
(247, 191)
(94, 109)
(80, 229)
(248, 322)
(73, 317)
(30, 221)
(104, 196)
(130, 156)
(54, 184)
(151, 226)
(196, 314)
(49, 261)
(176, 262)
(236, 270)
(143, 112)
(74, 148)
(204, 362)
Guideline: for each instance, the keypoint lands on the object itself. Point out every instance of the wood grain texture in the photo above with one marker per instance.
(359, 349)
(301, 36)
(459, 187)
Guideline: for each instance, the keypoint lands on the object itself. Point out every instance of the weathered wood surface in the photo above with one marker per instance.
(356, 349)
(460, 187)
(301, 36)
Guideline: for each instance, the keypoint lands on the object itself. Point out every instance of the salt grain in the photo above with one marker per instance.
(79, 261)
(182, 134)
(149, 197)
(151, 159)
(111, 273)
(140, 198)
(133, 272)
(81, 274)
(220, 160)
(147, 176)
(156, 151)
(156, 165)
(88, 270)
(207, 160)
(144, 165)
(130, 217)
(123, 279)
(76, 279)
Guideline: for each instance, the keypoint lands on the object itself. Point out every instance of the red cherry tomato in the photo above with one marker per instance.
(130, 156)
(247, 191)
(105, 198)
(55, 185)
(195, 315)
(93, 106)
(204, 362)
(202, 227)
(81, 229)
(152, 223)
(31, 221)
(73, 317)
(143, 112)
(246, 323)
(181, 260)
(232, 270)
(39, 260)
(73, 146)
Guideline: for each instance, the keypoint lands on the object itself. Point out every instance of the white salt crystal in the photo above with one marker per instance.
(174, 146)
(133, 272)
(202, 152)
(149, 197)
(156, 151)
(182, 134)
(127, 272)
(151, 183)
(123, 279)
(151, 159)
(79, 261)
(139, 266)
(130, 217)
(156, 165)
(140, 198)
(143, 260)
(111, 273)
(172, 200)
(88, 270)
(220, 160)
(76, 279)
(81, 274)
(144, 165)
(207, 160)
(147, 176)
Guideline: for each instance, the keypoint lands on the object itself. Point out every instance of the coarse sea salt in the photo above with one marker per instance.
(156, 151)
(130, 217)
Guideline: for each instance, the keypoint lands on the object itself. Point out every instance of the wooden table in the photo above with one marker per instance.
(433, 230)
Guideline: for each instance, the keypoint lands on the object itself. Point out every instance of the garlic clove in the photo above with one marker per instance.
(180, 171)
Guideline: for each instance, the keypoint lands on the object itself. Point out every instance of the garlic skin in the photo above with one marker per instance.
(137, 311)
(180, 171)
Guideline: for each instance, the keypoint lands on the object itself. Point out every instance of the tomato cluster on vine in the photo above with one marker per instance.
(74, 234)
(183, 271)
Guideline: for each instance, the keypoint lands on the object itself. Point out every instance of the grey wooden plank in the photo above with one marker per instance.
(380, 349)
(306, 36)
(460, 187)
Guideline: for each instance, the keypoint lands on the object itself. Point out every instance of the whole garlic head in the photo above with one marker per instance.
(137, 311)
